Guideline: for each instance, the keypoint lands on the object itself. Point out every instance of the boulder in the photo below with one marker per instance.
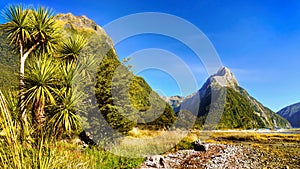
(199, 146)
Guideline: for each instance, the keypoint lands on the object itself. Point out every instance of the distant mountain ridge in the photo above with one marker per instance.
(174, 101)
(292, 114)
(240, 109)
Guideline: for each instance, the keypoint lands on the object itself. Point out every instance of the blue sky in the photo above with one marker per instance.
(257, 40)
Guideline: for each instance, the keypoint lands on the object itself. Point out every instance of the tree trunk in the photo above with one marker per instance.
(39, 113)
(22, 88)
(23, 57)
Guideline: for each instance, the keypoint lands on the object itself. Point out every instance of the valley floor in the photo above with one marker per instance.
(237, 149)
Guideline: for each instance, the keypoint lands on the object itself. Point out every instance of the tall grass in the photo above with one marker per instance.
(10, 149)
(19, 153)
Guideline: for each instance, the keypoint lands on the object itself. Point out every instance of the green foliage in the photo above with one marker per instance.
(49, 155)
(150, 110)
(28, 29)
(164, 121)
(104, 96)
(238, 112)
(271, 119)
(71, 48)
(63, 118)
(140, 94)
(11, 95)
(45, 30)
(106, 160)
(126, 100)
(184, 144)
(8, 76)
(18, 27)
(41, 85)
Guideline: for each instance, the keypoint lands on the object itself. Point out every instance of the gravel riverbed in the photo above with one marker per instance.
(222, 156)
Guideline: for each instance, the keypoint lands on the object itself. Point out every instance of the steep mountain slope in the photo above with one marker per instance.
(292, 114)
(8, 65)
(235, 107)
(124, 100)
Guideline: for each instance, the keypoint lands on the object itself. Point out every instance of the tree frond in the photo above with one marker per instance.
(46, 31)
(17, 28)
(41, 80)
(71, 47)
(65, 116)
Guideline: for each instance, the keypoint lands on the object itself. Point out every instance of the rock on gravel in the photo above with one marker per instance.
(216, 156)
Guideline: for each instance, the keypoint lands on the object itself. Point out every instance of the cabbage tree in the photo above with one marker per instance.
(28, 30)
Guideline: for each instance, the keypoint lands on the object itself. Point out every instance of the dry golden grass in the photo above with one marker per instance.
(237, 135)
(256, 137)
(146, 142)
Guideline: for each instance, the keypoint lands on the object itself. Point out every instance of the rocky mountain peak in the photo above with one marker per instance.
(223, 71)
(71, 21)
(85, 25)
(224, 77)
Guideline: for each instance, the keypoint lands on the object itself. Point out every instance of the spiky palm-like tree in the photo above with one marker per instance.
(28, 30)
(42, 78)
(45, 30)
(71, 48)
(65, 118)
